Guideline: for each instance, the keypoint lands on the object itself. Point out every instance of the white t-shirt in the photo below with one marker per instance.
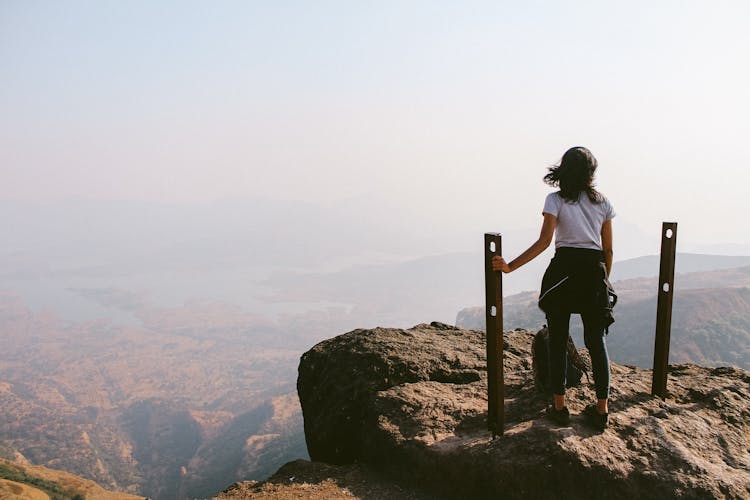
(579, 223)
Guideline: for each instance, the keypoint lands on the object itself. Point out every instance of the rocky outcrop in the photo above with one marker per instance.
(305, 480)
(412, 404)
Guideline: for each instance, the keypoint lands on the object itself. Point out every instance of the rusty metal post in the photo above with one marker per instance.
(493, 285)
(664, 308)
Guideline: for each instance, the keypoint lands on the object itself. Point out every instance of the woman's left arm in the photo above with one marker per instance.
(541, 244)
(607, 244)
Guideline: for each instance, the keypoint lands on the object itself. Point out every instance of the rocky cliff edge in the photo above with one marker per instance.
(411, 404)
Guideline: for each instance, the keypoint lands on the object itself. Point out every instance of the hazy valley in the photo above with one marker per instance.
(154, 349)
(148, 409)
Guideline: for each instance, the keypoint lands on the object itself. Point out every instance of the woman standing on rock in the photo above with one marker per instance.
(576, 280)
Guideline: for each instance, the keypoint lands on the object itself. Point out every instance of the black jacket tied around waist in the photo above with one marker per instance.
(576, 281)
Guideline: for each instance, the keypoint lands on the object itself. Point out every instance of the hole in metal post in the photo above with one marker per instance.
(668, 233)
(665, 287)
(493, 311)
(492, 246)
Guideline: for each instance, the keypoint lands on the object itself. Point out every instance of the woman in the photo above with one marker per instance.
(576, 278)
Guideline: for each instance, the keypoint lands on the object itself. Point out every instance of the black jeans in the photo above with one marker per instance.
(593, 335)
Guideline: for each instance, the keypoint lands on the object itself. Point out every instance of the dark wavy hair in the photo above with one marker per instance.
(574, 174)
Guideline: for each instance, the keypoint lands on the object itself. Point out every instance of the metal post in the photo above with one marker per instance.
(664, 308)
(493, 284)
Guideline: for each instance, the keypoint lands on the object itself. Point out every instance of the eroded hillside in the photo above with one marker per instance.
(148, 410)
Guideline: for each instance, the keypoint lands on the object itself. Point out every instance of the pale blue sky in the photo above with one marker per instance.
(451, 108)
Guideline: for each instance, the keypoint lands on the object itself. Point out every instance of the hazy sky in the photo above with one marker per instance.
(451, 108)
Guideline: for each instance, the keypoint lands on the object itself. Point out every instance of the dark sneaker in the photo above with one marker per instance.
(560, 417)
(595, 419)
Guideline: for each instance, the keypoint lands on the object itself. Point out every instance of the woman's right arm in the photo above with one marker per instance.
(607, 244)
(545, 238)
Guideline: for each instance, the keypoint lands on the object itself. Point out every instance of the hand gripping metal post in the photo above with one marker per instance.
(493, 285)
(664, 308)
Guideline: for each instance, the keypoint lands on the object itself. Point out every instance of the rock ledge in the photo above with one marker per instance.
(411, 403)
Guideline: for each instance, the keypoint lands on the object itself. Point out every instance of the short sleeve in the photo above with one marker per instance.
(609, 211)
(552, 204)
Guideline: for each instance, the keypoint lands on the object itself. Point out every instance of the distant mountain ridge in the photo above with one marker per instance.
(710, 318)
(648, 265)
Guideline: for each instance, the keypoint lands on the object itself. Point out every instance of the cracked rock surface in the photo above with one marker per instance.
(412, 404)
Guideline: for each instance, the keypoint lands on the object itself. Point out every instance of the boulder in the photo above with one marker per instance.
(412, 404)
